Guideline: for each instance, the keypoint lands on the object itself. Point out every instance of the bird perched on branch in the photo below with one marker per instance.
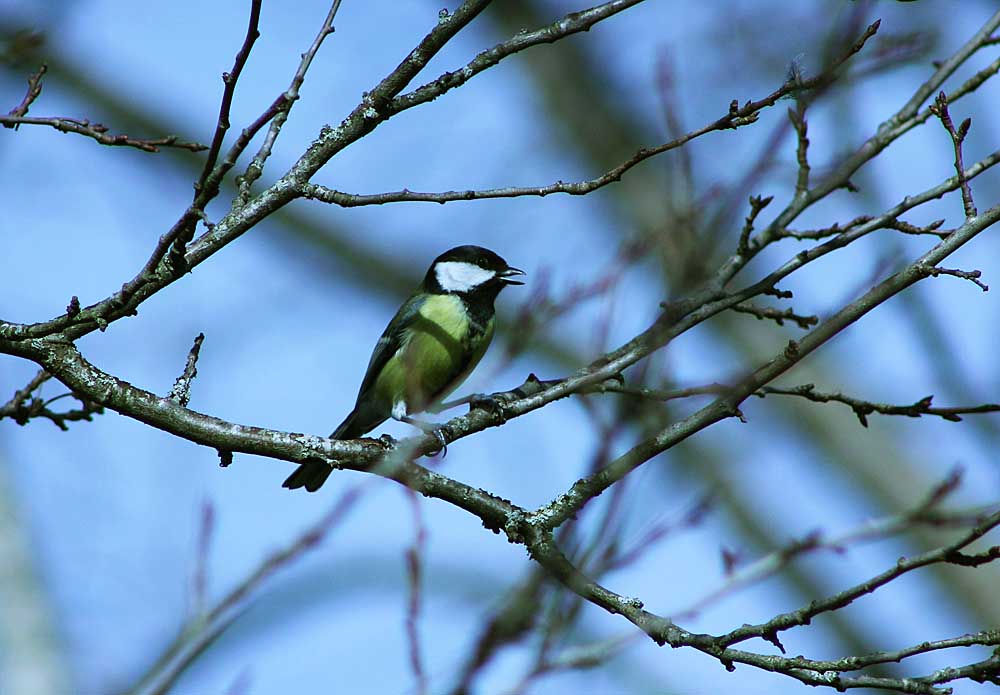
(428, 349)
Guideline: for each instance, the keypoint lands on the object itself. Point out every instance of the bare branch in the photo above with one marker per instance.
(34, 89)
(970, 275)
(940, 109)
(22, 407)
(863, 408)
(899, 123)
(736, 117)
(100, 133)
(777, 315)
(181, 392)
(572, 23)
(282, 106)
(230, 79)
(570, 503)
(798, 118)
(15, 407)
(757, 203)
(802, 616)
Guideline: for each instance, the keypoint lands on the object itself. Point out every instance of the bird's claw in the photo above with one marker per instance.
(493, 403)
(439, 434)
(387, 441)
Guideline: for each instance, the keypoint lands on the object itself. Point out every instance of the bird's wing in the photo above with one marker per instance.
(390, 342)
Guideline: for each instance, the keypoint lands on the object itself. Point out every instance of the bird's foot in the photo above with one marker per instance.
(495, 403)
(441, 433)
(387, 441)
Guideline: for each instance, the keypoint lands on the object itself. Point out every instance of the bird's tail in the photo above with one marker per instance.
(312, 474)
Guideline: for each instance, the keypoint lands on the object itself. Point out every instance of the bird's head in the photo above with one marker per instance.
(468, 270)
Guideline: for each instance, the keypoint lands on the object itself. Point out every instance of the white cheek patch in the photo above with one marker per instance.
(456, 276)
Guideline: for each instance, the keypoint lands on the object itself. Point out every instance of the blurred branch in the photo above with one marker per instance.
(513, 620)
(945, 554)
(926, 513)
(414, 576)
(777, 315)
(203, 629)
(33, 654)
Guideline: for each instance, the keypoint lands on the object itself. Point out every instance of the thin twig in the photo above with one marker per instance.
(100, 133)
(22, 407)
(230, 79)
(862, 409)
(757, 203)
(572, 23)
(940, 109)
(736, 116)
(797, 116)
(34, 89)
(181, 392)
(282, 106)
(970, 275)
(779, 316)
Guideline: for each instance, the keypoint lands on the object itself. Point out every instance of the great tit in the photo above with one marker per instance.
(431, 345)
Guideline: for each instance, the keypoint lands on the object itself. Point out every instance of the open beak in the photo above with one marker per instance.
(506, 275)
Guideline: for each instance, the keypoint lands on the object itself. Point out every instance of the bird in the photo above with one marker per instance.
(430, 346)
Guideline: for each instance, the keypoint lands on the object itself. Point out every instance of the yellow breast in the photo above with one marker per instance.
(437, 357)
